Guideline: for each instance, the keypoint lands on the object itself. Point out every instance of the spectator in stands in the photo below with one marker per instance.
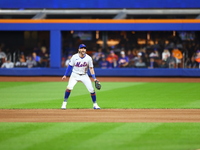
(21, 61)
(191, 63)
(152, 64)
(112, 58)
(154, 54)
(163, 64)
(8, 53)
(7, 64)
(170, 45)
(2, 56)
(140, 63)
(178, 55)
(144, 55)
(114, 64)
(97, 56)
(22, 57)
(143, 51)
(63, 60)
(130, 55)
(171, 61)
(123, 60)
(104, 64)
(165, 54)
(137, 58)
(30, 62)
(197, 58)
(36, 58)
(44, 62)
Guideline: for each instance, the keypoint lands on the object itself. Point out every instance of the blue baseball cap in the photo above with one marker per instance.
(82, 45)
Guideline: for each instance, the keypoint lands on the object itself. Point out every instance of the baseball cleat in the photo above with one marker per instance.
(64, 105)
(95, 106)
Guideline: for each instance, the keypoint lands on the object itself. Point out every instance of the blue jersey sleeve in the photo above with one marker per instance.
(69, 69)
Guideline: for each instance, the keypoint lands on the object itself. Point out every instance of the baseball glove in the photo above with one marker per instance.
(97, 85)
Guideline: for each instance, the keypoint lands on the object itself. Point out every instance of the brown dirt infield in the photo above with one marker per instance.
(103, 115)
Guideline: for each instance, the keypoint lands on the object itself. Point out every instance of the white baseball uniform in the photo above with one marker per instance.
(79, 71)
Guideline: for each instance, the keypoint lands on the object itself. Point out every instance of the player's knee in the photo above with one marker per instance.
(69, 88)
(91, 90)
(93, 94)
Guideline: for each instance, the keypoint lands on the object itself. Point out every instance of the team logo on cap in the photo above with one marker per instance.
(82, 45)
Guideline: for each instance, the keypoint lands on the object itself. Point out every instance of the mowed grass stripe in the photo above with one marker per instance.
(118, 137)
(153, 95)
(45, 94)
(30, 135)
(113, 95)
(112, 136)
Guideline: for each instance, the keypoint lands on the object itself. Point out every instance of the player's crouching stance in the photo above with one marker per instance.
(79, 64)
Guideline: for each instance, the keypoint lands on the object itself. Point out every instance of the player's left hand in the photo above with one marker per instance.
(97, 85)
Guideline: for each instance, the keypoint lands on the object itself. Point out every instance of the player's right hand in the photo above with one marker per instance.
(64, 77)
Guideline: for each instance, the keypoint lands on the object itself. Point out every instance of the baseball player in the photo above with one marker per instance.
(79, 64)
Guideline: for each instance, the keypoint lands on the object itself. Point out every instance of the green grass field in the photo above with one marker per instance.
(111, 136)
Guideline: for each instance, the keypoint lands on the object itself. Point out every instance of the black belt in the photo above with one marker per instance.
(80, 74)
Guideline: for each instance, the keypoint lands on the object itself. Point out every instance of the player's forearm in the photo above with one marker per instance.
(92, 73)
(92, 70)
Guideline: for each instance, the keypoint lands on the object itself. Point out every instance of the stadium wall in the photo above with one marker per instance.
(55, 26)
(97, 4)
(123, 72)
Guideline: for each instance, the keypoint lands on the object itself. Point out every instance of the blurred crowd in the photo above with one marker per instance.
(128, 53)
(38, 57)
(171, 55)
(143, 58)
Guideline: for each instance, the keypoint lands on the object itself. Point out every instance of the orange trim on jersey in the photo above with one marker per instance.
(100, 21)
(93, 94)
(67, 90)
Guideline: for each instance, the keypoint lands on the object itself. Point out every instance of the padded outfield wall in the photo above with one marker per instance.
(99, 4)
(55, 26)
(116, 72)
